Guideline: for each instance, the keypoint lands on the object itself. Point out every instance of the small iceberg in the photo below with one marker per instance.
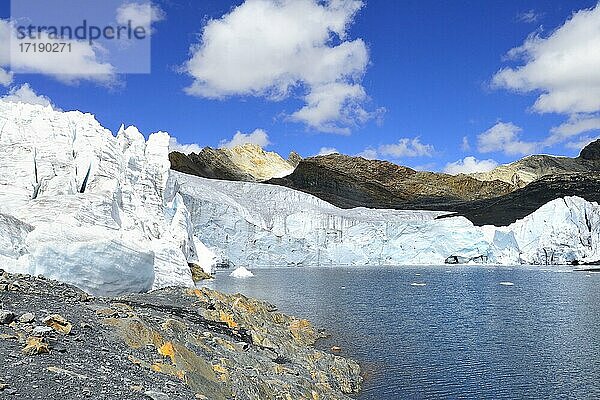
(241, 272)
(418, 284)
(507, 284)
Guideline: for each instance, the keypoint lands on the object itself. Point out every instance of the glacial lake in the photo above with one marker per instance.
(466, 334)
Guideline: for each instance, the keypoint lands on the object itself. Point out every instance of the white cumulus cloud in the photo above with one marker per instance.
(325, 151)
(564, 66)
(465, 146)
(580, 143)
(277, 48)
(505, 137)
(470, 165)
(82, 62)
(333, 107)
(259, 137)
(529, 16)
(174, 145)
(575, 126)
(404, 148)
(368, 153)
(25, 94)
(6, 77)
(142, 14)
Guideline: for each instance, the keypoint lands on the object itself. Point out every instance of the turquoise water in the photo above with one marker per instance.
(466, 334)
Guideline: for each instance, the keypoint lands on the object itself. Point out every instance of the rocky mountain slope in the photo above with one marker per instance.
(168, 344)
(506, 209)
(264, 225)
(356, 182)
(522, 172)
(249, 163)
(500, 197)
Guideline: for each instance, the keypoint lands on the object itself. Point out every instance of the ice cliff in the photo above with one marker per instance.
(80, 205)
(257, 224)
(105, 213)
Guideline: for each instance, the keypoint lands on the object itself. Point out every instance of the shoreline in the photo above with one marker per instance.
(176, 342)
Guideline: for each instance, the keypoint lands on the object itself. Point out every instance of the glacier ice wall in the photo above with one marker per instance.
(258, 224)
(559, 232)
(80, 205)
(89, 208)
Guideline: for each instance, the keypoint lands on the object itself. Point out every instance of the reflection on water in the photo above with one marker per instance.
(458, 332)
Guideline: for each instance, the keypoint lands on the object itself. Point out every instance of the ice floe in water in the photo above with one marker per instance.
(241, 272)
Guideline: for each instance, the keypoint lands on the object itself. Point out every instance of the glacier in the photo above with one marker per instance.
(105, 212)
(83, 206)
(265, 225)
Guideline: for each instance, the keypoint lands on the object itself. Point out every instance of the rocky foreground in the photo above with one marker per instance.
(173, 343)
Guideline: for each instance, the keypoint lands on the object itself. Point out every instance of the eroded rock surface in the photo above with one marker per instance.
(356, 182)
(248, 163)
(168, 344)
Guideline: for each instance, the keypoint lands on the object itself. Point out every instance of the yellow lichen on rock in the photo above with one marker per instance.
(58, 323)
(299, 328)
(197, 293)
(219, 368)
(156, 367)
(245, 305)
(167, 350)
(198, 273)
(135, 333)
(34, 346)
(228, 319)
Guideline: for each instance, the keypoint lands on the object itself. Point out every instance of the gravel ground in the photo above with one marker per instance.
(58, 342)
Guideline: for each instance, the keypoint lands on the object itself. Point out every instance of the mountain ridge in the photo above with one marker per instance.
(498, 197)
(247, 162)
(528, 169)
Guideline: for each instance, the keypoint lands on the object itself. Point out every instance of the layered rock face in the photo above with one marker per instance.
(356, 182)
(523, 172)
(504, 210)
(82, 206)
(259, 225)
(500, 197)
(248, 163)
(591, 152)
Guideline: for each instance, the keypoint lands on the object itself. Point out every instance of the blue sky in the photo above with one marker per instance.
(417, 83)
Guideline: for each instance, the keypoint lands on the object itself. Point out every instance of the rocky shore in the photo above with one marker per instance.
(173, 343)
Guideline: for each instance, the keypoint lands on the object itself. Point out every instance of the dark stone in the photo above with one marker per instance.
(6, 317)
(349, 182)
(506, 209)
(209, 163)
(591, 151)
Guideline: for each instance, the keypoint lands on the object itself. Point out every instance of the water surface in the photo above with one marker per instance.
(466, 333)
